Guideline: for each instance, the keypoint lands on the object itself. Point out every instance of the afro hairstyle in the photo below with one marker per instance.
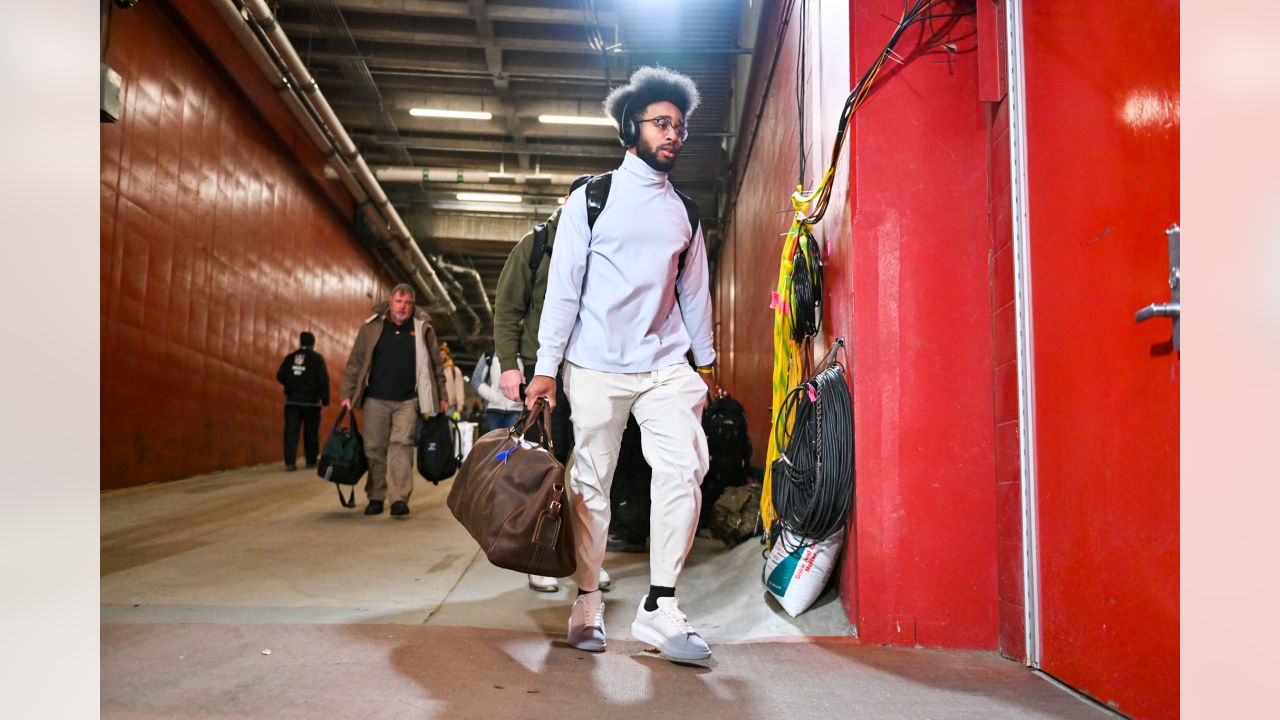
(652, 84)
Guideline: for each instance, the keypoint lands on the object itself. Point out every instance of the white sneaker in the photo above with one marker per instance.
(543, 584)
(669, 631)
(603, 581)
(586, 623)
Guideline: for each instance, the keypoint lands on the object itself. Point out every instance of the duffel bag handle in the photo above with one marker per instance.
(337, 424)
(526, 421)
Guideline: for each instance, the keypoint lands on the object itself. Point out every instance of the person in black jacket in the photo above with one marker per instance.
(306, 390)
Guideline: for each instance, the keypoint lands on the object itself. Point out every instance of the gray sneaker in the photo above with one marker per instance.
(586, 623)
(669, 631)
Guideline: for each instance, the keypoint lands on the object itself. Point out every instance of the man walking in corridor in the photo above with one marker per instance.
(627, 299)
(306, 389)
(394, 372)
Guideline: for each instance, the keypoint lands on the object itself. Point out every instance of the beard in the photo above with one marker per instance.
(649, 154)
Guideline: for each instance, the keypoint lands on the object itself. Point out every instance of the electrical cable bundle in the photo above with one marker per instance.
(806, 287)
(812, 488)
(790, 359)
(913, 11)
(797, 300)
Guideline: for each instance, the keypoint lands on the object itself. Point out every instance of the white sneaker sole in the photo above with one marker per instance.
(588, 644)
(649, 636)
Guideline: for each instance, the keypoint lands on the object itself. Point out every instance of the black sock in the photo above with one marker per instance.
(655, 592)
(582, 592)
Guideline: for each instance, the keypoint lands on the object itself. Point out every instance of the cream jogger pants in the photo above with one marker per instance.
(668, 405)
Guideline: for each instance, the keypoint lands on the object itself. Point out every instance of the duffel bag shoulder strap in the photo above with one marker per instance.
(346, 502)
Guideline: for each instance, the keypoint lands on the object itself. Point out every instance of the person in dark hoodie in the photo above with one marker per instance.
(306, 389)
(394, 373)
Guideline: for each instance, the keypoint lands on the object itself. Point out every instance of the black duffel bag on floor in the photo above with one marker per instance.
(343, 461)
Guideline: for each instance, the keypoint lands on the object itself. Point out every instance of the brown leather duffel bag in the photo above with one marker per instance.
(510, 495)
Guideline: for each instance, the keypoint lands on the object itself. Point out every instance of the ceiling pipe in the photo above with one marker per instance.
(476, 281)
(343, 159)
(476, 324)
(401, 174)
(334, 166)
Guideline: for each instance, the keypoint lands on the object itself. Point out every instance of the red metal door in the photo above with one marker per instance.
(1102, 126)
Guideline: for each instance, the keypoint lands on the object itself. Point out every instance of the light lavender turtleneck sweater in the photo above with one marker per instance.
(611, 293)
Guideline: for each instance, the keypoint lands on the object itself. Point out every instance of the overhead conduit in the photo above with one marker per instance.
(401, 174)
(471, 274)
(271, 51)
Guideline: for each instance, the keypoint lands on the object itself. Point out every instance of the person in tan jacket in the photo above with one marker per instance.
(394, 372)
(455, 385)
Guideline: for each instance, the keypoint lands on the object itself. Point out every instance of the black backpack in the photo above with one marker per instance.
(439, 447)
(724, 421)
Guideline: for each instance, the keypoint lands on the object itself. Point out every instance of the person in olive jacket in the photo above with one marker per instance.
(395, 372)
(306, 389)
(516, 313)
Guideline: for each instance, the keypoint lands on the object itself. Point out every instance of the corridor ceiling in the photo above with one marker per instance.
(376, 59)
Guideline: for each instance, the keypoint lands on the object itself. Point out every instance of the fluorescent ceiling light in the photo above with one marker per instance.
(574, 120)
(455, 114)
(488, 197)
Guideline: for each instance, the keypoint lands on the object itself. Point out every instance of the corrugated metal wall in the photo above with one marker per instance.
(218, 247)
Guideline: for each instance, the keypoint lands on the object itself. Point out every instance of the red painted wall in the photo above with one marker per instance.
(923, 396)
(219, 244)
(909, 284)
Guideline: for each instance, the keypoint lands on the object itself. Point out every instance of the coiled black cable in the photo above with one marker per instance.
(813, 481)
(806, 289)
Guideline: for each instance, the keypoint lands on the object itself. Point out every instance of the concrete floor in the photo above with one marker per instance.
(371, 617)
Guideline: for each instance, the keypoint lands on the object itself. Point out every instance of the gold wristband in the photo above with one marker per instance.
(708, 370)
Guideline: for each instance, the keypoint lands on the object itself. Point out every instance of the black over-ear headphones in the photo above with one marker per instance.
(628, 128)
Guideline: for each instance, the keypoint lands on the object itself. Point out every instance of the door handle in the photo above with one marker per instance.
(1159, 310)
(1172, 309)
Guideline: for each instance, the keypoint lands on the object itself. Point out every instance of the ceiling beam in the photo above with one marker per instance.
(498, 147)
(490, 42)
(380, 58)
(462, 11)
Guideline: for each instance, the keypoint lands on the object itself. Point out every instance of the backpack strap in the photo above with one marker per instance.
(535, 259)
(597, 196)
(539, 247)
(691, 209)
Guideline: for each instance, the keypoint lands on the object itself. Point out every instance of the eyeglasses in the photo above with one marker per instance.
(664, 124)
